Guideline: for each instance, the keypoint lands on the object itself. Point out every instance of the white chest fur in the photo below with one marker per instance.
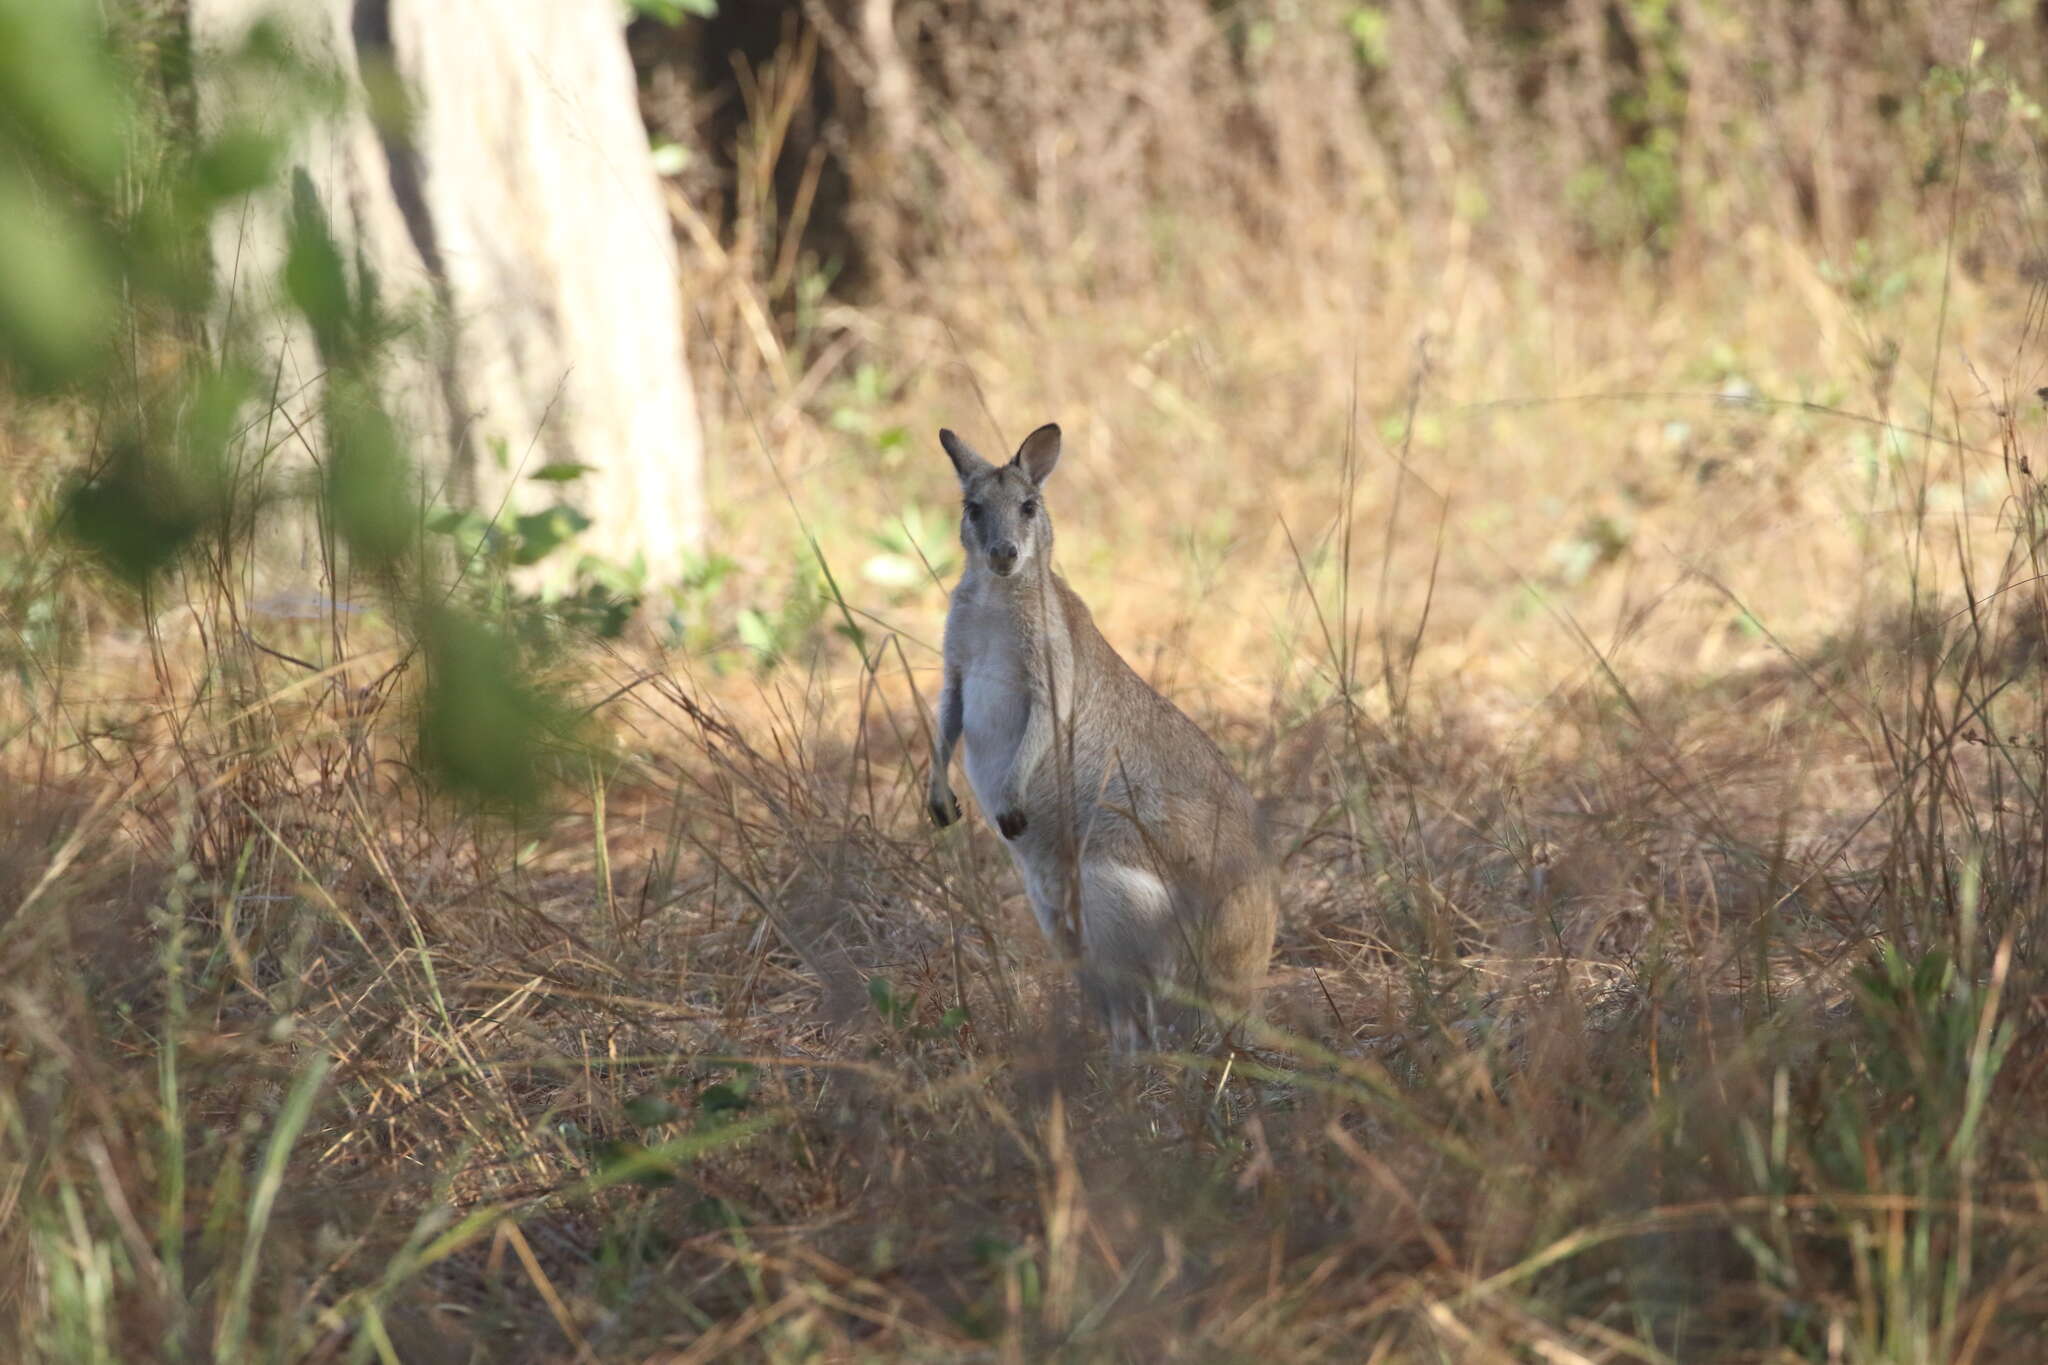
(995, 700)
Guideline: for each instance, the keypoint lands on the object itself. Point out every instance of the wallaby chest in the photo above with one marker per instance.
(993, 657)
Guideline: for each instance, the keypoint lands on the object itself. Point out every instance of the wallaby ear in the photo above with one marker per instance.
(965, 461)
(1040, 453)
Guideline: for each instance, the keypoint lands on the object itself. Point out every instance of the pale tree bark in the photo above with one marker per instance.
(518, 220)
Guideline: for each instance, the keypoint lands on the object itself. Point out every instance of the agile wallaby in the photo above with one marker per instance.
(1140, 849)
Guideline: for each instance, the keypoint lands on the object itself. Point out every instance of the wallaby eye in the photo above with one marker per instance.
(1030, 507)
(974, 511)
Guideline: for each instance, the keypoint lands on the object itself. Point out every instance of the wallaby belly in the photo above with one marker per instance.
(995, 701)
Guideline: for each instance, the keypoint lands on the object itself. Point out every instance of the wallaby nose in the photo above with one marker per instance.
(1003, 558)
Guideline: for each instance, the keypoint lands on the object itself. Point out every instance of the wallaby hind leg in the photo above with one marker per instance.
(1234, 958)
(1126, 1008)
(1127, 951)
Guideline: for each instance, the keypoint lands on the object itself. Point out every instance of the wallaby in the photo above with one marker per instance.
(1140, 849)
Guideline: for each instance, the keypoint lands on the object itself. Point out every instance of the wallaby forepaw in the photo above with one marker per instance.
(1011, 823)
(943, 810)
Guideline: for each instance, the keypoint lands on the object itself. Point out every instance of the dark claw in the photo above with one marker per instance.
(1011, 823)
(943, 813)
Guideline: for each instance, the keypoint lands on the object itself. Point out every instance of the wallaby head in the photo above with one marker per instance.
(1003, 522)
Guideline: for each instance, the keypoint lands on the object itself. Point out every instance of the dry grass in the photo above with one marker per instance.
(1638, 643)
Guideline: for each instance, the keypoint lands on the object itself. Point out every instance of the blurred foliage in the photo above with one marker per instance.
(108, 306)
(67, 121)
(772, 632)
(601, 598)
(673, 11)
(484, 726)
(919, 547)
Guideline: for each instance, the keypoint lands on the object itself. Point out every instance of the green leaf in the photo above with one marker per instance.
(369, 478)
(238, 161)
(57, 287)
(990, 1250)
(562, 471)
(1369, 29)
(723, 1098)
(314, 277)
(650, 1111)
(291, 1121)
(702, 574)
(620, 1161)
(896, 571)
(217, 399)
(895, 1009)
(125, 518)
(540, 533)
(61, 91)
(669, 158)
(674, 11)
(1931, 976)
(484, 729)
(756, 633)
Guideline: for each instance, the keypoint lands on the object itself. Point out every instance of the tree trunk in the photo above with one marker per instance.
(515, 215)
